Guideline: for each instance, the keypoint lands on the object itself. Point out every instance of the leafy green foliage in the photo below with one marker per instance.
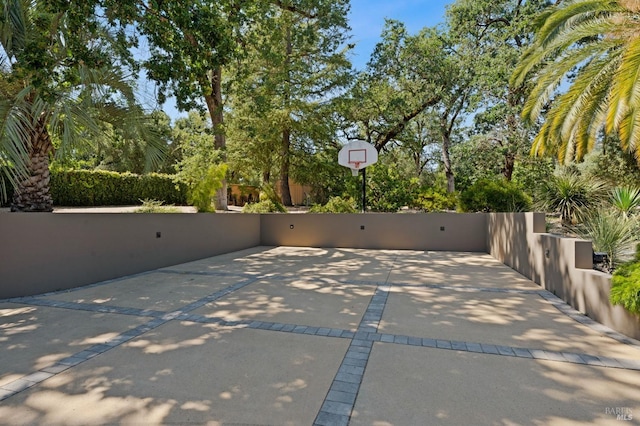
(473, 160)
(437, 200)
(387, 190)
(322, 173)
(120, 151)
(64, 74)
(269, 193)
(335, 205)
(294, 67)
(493, 35)
(625, 199)
(7, 189)
(202, 190)
(530, 173)
(610, 232)
(264, 206)
(102, 188)
(625, 285)
(570, 194)
(405, 75)
(155, 206)
(200, 167)
(611, 164)
(487, 195)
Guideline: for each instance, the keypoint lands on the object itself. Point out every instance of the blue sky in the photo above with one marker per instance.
(366, 20)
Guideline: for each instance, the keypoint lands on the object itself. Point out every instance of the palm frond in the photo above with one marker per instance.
(14, 128)
(599, 39)
(554, 74)
(547, 49)
(14, 25)
(570, 15)
(625, 91)
(629, 131)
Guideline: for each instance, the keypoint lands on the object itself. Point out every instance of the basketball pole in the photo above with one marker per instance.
(364, 190)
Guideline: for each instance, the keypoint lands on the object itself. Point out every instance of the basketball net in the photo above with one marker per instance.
(355, 169)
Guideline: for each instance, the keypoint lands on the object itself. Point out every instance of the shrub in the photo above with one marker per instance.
(434, 200)
(202, 190)
(335, 205)
(264, 206)
(625, 286)
(569, 194)
(269, 202)
(155, 206)
(487, 195)
(387, 189)
(610, 232)
(104, 188)
(157, 186)
(625, 199)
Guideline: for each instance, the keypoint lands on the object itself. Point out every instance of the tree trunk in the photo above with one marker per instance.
(446, 160)
(216, 109)
(513, 100)
(509, 165)
(285, 191)
(32, 194)
(285, 147)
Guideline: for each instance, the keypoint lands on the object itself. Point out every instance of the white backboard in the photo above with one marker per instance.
(357, 155)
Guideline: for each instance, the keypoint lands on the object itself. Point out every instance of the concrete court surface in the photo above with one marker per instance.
(303, 336)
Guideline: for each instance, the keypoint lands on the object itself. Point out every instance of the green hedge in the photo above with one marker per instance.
(487, 195)
(103, 188)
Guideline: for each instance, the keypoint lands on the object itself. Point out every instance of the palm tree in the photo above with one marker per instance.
(60, 76)
(594, 45)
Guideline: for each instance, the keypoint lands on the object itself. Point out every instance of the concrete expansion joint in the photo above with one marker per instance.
(205, 273)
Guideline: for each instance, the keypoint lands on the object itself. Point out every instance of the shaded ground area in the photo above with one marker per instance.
(301, 336)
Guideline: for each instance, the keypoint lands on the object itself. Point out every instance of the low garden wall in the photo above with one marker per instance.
(43, 252)
(563, 266)
(429, 231)
(46, 252)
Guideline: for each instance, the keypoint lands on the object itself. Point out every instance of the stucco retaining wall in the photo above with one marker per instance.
(46, 252)
(430, 231)
(561, 265)
(42, 252)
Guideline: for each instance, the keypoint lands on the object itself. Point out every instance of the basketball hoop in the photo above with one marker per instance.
(358, 155)
(355, 167)
(357, 158)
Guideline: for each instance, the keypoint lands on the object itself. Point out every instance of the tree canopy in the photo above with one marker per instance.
(594, 47)
(446, 106)
(61, 75)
